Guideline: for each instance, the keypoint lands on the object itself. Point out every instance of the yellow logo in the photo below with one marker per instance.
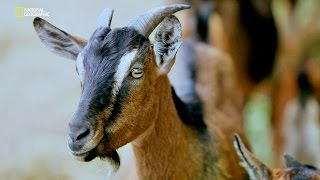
(19, 12)
(30, 11)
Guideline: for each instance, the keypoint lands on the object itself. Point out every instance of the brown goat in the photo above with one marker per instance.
(127, 98)
(257, 170)
(296, 105)
(209, 78)
(205, 74)
(218, 90)
(245, 29)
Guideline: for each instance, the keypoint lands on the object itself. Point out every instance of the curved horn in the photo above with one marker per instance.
(105, 18)
(146, 22)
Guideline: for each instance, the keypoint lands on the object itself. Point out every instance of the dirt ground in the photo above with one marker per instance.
(39, 91)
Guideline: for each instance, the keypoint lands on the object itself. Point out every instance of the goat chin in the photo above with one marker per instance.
(112, 157)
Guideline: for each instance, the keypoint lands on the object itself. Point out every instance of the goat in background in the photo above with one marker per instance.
(276, 47)
(257, 170)
(296, 81)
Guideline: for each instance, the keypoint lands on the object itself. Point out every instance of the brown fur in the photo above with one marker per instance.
(293, 56)
(226, 33)
(158, 140)
(233, 40)
(218, 90)
(289, 174)
(237, 33)
(157, 145)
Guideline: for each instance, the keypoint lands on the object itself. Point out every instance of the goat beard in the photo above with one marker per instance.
(111, 156)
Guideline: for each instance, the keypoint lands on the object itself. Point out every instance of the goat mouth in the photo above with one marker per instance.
(101, 152)
(86, 157)
(107, 154)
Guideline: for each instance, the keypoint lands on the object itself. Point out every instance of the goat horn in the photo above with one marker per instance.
(146, 22)
(105, 18)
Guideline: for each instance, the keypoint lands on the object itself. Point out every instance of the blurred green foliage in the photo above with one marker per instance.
(257, 117)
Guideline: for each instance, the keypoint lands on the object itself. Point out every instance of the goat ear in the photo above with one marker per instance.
(255, 168)
(58, 41)
(167, 43)
(293, 163)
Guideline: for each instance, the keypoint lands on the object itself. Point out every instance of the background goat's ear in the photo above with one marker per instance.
(167, 43)
(58, 41)
(293, 163)
(255, 168)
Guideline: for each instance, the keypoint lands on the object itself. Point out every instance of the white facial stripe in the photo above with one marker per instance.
(123, 68)
(80, 66)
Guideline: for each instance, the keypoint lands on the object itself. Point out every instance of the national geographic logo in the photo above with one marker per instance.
(25, 12)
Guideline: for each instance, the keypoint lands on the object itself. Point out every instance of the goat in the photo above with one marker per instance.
(257, 170)
(208, 86)
(127, 98)
(295, 93)
(218, 90)
(243, 28)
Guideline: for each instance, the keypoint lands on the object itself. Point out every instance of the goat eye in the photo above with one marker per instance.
(102, 101)
(137, 73)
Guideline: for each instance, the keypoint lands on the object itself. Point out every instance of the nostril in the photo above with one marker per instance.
(79, 131)
(83, 134)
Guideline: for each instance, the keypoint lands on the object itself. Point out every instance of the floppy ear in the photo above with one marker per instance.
(255, 168)
(58, 41)
(167, 43)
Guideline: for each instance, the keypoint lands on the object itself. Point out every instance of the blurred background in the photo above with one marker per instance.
(275, 46)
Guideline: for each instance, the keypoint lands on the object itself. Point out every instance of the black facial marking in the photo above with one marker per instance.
(124, 89)
(101, 58)
(117, 106)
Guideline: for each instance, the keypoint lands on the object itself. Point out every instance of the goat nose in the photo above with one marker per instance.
(79, 131)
